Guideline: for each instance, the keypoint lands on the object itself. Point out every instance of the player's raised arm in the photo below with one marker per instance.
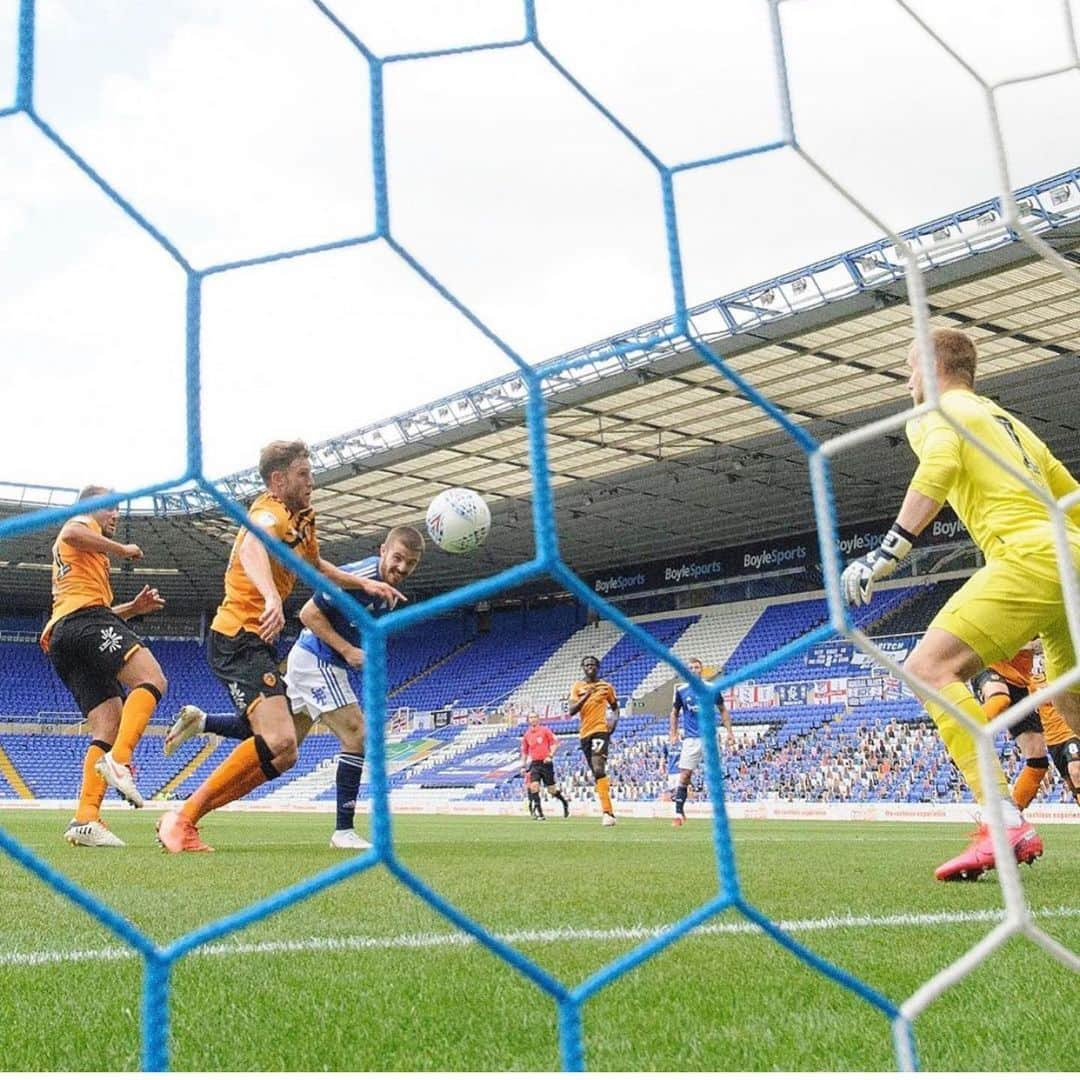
(916, 512)
(380, 590)
(81, 537)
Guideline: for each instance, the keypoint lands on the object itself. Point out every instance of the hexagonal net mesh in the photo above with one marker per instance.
(569, 1000)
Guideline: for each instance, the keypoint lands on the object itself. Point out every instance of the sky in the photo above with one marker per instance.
(241, 127)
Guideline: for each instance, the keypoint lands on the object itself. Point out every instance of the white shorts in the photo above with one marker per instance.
(691, 754)
(315, 686)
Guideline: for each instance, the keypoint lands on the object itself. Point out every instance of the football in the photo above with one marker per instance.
(458, 520)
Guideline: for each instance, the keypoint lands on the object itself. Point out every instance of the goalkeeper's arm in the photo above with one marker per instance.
(858, 580)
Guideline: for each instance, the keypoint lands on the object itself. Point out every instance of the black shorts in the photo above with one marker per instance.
(1062, 754)
(595, 744)
(1031, 722)
(247, 666)
(542, 772)
(88, 648)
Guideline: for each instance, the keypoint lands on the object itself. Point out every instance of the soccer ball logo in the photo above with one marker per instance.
(458, 520)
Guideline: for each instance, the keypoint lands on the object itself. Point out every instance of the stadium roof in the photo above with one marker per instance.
(652, 451)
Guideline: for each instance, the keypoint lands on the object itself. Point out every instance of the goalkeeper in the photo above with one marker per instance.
(1015, 596)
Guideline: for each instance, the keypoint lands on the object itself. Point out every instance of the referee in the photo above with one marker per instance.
(538, 757)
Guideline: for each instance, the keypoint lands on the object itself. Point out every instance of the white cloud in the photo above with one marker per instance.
(245, 132)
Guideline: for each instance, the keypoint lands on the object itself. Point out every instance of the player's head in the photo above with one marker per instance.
(694, 664)
(285, 468)
(591, 666)
(400, 554)
(105, 516)
(534, 718)
(954, 361)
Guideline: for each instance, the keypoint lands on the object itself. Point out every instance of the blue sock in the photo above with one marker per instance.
(680, 798)
(350, 767)
(230, 727)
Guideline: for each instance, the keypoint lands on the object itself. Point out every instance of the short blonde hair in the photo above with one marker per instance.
(411, 539)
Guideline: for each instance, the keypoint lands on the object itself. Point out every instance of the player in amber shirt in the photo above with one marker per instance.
(538, 746)
(1038, 734)
(1015, 596)
(592, 697)
(242, 638)
(98, 656)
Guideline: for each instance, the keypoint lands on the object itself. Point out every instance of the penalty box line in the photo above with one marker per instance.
(827, 924)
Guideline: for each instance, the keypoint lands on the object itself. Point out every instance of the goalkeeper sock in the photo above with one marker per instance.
(1027, 783)
(960, 742)
(680, 799)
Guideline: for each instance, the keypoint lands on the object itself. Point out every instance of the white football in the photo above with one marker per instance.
(458, 520)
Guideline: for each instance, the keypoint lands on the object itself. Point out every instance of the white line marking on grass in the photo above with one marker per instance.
(544, 937)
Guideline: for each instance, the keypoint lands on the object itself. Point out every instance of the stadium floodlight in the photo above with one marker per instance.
(798, 286)
(1026, 207)
(941, 234)
(1060, 195)
(766, 298)
(987, 217)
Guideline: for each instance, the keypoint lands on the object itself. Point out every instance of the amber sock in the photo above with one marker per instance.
(242, 771)
(93, 786)
(139, 707)
(1027, 783)
(603, 791)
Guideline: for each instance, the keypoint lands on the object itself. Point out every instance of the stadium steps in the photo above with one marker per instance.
(712, 638)
(202, 755)
(551, 682)
(11, 775)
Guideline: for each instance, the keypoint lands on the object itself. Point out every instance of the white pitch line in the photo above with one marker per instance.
(517, 937)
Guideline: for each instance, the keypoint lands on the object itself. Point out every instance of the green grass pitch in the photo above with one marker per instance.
(365, 976)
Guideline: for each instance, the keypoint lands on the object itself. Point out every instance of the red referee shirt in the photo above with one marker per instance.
(538, 743)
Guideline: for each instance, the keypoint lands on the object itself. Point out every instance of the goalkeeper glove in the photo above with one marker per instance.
(857, 581)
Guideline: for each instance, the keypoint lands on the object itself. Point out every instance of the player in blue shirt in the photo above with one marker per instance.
(317, 676)
(685, 704)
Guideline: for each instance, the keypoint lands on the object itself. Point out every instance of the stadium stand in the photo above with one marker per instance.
(494, 664)
(808, 749)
